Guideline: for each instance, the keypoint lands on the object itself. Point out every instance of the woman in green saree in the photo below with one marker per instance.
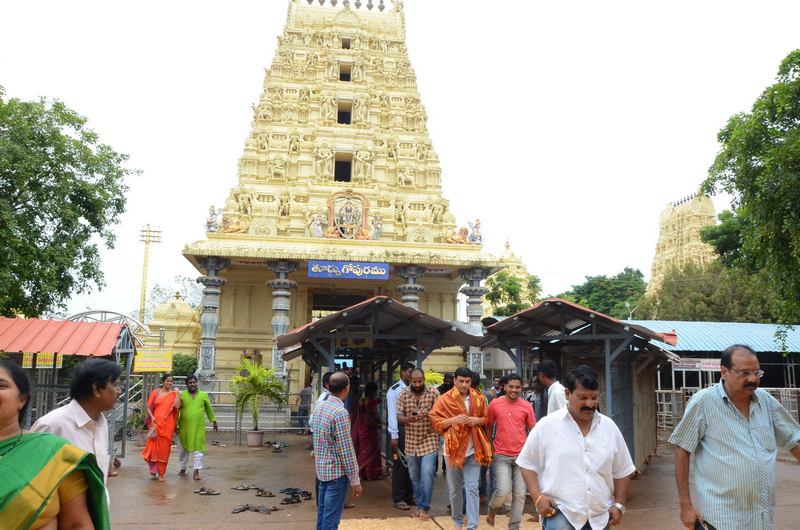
(47, 483)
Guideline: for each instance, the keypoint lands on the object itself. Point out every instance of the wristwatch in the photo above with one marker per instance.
(619, 506)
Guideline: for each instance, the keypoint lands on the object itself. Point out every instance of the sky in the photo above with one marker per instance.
(566, 127)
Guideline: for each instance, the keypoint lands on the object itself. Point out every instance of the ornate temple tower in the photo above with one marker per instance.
(679, 240)
(338, 167)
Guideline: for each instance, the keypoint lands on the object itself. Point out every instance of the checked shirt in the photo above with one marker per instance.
(334, 455)
(420, 436)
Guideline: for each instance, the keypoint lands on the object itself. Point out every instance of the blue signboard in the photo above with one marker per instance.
(348, 269)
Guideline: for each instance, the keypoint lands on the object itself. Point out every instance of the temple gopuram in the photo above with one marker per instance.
(679, 241)
(338, 197)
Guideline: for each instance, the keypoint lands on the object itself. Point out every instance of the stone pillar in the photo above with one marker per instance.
(209, 318)
(474, 292)
(410, 290)
(281, 304)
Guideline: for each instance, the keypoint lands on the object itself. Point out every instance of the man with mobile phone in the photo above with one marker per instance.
(422, 443)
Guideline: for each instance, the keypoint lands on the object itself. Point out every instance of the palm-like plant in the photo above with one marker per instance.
(253, 386)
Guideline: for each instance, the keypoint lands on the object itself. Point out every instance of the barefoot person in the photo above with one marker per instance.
(334, 457)
(421, 441)
(511, 418)
(94, 390)
(195, 407)
(162, 409)
(460, 415)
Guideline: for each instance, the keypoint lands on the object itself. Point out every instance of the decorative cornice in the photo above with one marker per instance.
(393, 252)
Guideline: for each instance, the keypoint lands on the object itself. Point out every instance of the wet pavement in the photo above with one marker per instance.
(138, 502)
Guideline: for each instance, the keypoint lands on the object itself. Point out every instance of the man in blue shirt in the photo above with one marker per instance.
(733, 429)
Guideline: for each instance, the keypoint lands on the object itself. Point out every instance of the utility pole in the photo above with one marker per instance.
(147, 235)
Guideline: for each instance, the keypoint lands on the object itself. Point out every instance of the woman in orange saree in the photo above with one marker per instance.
(162, 410)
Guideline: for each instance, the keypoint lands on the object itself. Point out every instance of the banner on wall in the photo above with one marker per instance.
(152, 360)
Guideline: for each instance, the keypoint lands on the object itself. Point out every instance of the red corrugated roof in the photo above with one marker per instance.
(66, 337)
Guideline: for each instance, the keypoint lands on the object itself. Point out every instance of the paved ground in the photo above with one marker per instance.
(138, 502)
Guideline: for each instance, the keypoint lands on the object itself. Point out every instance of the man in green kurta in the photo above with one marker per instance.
(195, 406)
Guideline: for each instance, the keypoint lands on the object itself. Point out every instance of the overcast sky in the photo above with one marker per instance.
(565, 126)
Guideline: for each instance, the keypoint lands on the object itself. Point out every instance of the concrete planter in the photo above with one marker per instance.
(255, 438)
(141, 438)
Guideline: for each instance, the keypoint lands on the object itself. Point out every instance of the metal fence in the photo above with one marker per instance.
(670, 404)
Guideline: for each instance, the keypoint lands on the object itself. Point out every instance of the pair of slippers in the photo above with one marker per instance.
(215, 443)
(261, 492)
(277, 443)
(253, 508)
(206, 491)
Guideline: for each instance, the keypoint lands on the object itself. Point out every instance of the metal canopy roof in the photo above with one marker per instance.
(394, 327)
(716, 336)
(559, 321)
(96, 339)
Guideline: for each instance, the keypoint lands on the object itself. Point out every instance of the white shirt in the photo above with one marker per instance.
(317, 402)
(577, 471)
(470, 444)
(73, 424)
(556, 397)
(391, 412)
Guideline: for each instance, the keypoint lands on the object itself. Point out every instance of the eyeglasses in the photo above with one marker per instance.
(743, 373)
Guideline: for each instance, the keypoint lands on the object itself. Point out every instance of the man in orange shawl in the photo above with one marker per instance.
(460, 414)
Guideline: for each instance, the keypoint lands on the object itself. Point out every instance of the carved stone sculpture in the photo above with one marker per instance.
(475, 236)
(328, 108)
(363, 163)
(324, 155)
(212, 224)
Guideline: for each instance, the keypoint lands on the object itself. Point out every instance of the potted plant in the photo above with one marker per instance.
(136, 424)
(253, 387)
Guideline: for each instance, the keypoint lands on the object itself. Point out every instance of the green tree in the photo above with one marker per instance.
(712, 293)
(759, 164)
(61, 191)
(509, 294)
(616, 296)
(726, 237)
(183, 365)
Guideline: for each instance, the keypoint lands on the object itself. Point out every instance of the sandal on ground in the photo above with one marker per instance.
(402, 506)
(263, 509)
(201, 490)
(239, 508)
(264, 493)
(291, 491)
(277, 450)
(347, 506)
(294, 499)
(305, 495)
(241, 487)
(208, 492)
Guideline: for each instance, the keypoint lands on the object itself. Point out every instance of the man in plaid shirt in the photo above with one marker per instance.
(422, 443)
(334, 456)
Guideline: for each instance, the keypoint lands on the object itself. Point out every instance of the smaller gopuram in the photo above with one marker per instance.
(338, 196)
(679, 241)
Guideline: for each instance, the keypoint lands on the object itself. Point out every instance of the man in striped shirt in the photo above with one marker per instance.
(334, 456)
(732, 429)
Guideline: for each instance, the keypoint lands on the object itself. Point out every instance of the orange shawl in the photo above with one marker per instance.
(456, 437)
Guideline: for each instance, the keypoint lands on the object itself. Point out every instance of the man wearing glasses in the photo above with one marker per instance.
(733, 429)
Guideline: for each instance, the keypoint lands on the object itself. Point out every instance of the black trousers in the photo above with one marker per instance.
(402, 489)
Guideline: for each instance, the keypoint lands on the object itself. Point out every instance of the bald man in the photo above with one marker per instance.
(334, 456)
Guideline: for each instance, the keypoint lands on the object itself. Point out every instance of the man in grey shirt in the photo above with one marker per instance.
(733, 429)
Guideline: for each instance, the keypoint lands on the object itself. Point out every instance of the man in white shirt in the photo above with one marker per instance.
(548, 376)
(575, 462)
(402, 488)
(94, 390)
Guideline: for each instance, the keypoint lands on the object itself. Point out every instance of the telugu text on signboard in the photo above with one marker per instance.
(348, 269)
(152, 360)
